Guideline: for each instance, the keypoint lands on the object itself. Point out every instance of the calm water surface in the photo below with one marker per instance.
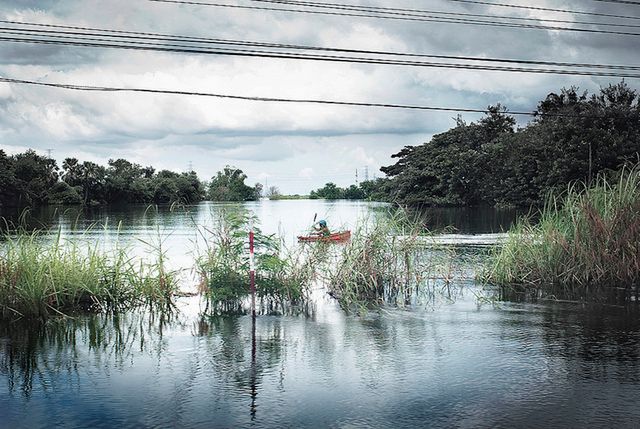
(456, 363)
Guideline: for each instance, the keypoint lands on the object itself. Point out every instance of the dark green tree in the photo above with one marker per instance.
(228, 185)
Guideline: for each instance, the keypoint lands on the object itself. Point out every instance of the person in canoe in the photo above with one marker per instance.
(322, 229)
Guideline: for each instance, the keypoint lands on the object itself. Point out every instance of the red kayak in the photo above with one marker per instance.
(336, 236)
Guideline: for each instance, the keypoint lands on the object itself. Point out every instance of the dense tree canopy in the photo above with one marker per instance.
(369, 189)
(29, 179)
(574, 136)
(228, 185)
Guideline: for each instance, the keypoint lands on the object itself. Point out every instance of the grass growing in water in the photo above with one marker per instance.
(281, 278)
(585, 242)
(41, 277)
(391, 259)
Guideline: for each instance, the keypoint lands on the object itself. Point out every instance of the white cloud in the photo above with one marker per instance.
(297, 146)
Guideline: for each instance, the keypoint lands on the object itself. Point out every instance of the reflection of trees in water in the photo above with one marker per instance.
(33, 353)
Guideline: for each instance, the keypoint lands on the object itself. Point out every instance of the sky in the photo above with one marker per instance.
(296, 147)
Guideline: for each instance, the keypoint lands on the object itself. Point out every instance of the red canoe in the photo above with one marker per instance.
(336, 236)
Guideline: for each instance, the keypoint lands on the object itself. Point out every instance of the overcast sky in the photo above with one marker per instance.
(293, 146)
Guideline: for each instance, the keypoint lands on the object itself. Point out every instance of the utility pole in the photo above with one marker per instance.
(356, 176)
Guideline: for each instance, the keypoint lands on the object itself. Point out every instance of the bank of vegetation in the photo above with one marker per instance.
(41, 275)
(574, 137)
(585, 243)
(28, 179)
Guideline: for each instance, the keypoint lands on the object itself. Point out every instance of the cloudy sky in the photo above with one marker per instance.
(296, 147)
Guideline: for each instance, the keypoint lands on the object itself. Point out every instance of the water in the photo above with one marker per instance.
(455, 364)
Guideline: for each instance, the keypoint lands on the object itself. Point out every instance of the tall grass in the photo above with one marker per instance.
(587, 241)
(282, 277)
(40, 277)
(392, 260)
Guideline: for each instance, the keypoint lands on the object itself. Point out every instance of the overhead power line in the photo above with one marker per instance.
(629, 2)
(417, 18)
(92, 88)
(429, 13)
(546, 9)
(117, 39)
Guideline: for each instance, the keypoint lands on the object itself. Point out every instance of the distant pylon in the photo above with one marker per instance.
(356, 176)
(190, 167)
(49, 153)
(366, 173)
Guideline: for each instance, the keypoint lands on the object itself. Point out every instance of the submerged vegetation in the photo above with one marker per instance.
(44, 275)
(393, 260)
(224, 266)
(587, 242)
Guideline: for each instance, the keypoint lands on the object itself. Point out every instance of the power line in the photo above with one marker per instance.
(136, 35)
(52, 37)
(424, 18)
(427, 13)
(545, 9)
(92, 88)
(634, 3)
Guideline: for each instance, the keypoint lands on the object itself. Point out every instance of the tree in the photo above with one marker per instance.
(272, 192)
(330, 191)
(228, 185)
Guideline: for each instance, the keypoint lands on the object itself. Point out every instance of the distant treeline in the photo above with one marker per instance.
(573, 137)
(28, 179)
(367, 190)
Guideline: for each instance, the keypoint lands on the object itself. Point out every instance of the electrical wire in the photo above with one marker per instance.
(629, 2)
(142, 43)
(427, 13)
(545, 9)
(92, 88)
(136, 35)
(406, 18)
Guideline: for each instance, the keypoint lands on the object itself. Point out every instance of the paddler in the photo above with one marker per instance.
(321, 228)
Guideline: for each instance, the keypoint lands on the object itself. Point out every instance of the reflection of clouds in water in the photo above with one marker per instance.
(455, 366)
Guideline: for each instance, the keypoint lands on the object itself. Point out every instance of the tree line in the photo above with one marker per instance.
(574, 136)
(28, 179)
(367, 190)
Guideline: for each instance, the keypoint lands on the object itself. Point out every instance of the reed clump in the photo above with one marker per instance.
(281, 277)
(391, 259)
(41, 276)
(587, 241)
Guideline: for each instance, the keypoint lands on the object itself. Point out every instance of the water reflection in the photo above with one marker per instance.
(459, 365)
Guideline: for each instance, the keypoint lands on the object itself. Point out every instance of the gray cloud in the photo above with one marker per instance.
(268, 139)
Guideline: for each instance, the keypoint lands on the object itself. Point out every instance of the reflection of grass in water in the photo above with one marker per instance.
(41, 277)
(392, 260)
(35, 355)
(586, 243)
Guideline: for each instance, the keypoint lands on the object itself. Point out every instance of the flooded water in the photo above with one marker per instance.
(456, 363)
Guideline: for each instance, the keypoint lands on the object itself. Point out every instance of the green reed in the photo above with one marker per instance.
(391, 259)
(587, 241)
(41, 276)
(281, 276)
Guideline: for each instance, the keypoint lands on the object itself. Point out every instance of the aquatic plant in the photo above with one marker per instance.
(587, 241)
(41, 275)
(391, 259)
(282, 277)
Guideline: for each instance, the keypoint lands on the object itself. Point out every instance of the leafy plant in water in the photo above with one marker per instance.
(224, 267)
